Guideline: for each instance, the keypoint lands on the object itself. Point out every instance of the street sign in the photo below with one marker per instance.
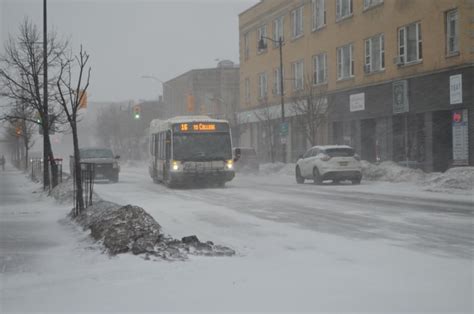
(460, 137)
(284, 128)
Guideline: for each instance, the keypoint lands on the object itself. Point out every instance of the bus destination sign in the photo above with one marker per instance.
(201, 127)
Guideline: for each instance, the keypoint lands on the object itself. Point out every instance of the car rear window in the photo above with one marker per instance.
(340, 152)
(96, 153)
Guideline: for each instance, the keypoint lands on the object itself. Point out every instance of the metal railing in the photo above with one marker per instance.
(36, 165)
(87, 176)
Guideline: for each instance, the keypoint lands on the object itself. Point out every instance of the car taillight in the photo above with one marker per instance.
(325, 157)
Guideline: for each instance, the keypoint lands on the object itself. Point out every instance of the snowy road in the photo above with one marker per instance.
(400, 213)
(377, 247)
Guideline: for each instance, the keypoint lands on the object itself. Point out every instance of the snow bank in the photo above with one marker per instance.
(461, 178)
(129, 228)
(390, 171)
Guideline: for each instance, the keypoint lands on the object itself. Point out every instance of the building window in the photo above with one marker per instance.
(319, 14)
(452, 32)
(277, 30)
(410, 43)
(343, 9)
(261, 34)
(262, 85)
(246, 46)
(247, 90)
(374, 54)
(371, 3)
(345, 62)
(320, 69)
(298, 75)
(276, 81)
(297, 22)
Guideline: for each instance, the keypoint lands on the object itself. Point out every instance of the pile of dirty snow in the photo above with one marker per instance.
(122, 229)
(278, 168)
(390, 171)
(461, 178)
(129, 228)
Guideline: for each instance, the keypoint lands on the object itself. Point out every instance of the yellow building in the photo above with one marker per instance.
(392, 75)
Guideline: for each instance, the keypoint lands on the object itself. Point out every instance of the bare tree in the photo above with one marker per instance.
(311, 109)
(267, 122)
(20, 80)
(71, 95)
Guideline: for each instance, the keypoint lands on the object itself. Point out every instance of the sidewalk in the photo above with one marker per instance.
(28, 222)
(34, 238)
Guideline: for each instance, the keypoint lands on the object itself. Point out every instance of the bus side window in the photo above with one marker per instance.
(168, 145)
(160, 145)
(151, 145)
(158, 148)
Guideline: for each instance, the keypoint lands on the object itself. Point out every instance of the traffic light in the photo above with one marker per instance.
(82, 99)
(38, 118)
(136, 112)
(18, 131)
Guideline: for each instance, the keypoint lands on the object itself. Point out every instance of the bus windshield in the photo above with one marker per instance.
(202, 146)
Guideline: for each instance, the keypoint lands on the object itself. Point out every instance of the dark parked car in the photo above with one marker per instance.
(106, 165)
(248, 161)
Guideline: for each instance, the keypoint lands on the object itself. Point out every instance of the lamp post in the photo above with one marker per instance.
(262, 45)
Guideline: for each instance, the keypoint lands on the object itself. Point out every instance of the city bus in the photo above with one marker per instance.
(191, 150)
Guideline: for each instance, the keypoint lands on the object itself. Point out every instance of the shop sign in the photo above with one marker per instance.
(455, 89)
(460, 137)
(400, 97)
(357, 102)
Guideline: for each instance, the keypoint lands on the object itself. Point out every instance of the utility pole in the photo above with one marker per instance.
(45, 122)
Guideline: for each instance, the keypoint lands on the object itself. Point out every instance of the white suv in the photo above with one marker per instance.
(336, 162)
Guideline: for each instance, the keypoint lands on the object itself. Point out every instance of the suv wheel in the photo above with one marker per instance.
(299, 178)
(317, 176)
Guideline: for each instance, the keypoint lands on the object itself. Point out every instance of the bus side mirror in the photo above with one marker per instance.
(237, 154)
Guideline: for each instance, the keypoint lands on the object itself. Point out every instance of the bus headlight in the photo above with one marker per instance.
(175, 165)
(230, 164)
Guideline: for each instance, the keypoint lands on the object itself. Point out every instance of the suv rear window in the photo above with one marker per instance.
(96, 153)
(340, 152)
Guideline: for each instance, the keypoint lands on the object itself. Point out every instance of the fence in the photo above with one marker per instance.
(36, 165)
(87, 176)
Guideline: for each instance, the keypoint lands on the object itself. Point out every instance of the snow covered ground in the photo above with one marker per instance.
(379, 247)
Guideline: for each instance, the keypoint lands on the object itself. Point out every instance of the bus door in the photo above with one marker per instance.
(166, 164)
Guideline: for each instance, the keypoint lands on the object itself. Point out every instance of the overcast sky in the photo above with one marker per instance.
(129, 39)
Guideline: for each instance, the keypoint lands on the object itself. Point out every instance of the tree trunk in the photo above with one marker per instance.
(46, 154)
(77, 171)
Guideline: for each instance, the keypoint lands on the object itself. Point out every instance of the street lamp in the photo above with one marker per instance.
(261, 46)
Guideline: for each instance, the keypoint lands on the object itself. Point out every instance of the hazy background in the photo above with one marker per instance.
(128, 39)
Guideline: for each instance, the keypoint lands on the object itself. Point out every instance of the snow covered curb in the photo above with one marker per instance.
(456, 178)
(129, 228)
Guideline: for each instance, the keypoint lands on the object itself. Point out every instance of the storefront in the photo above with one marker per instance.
(420, 121)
